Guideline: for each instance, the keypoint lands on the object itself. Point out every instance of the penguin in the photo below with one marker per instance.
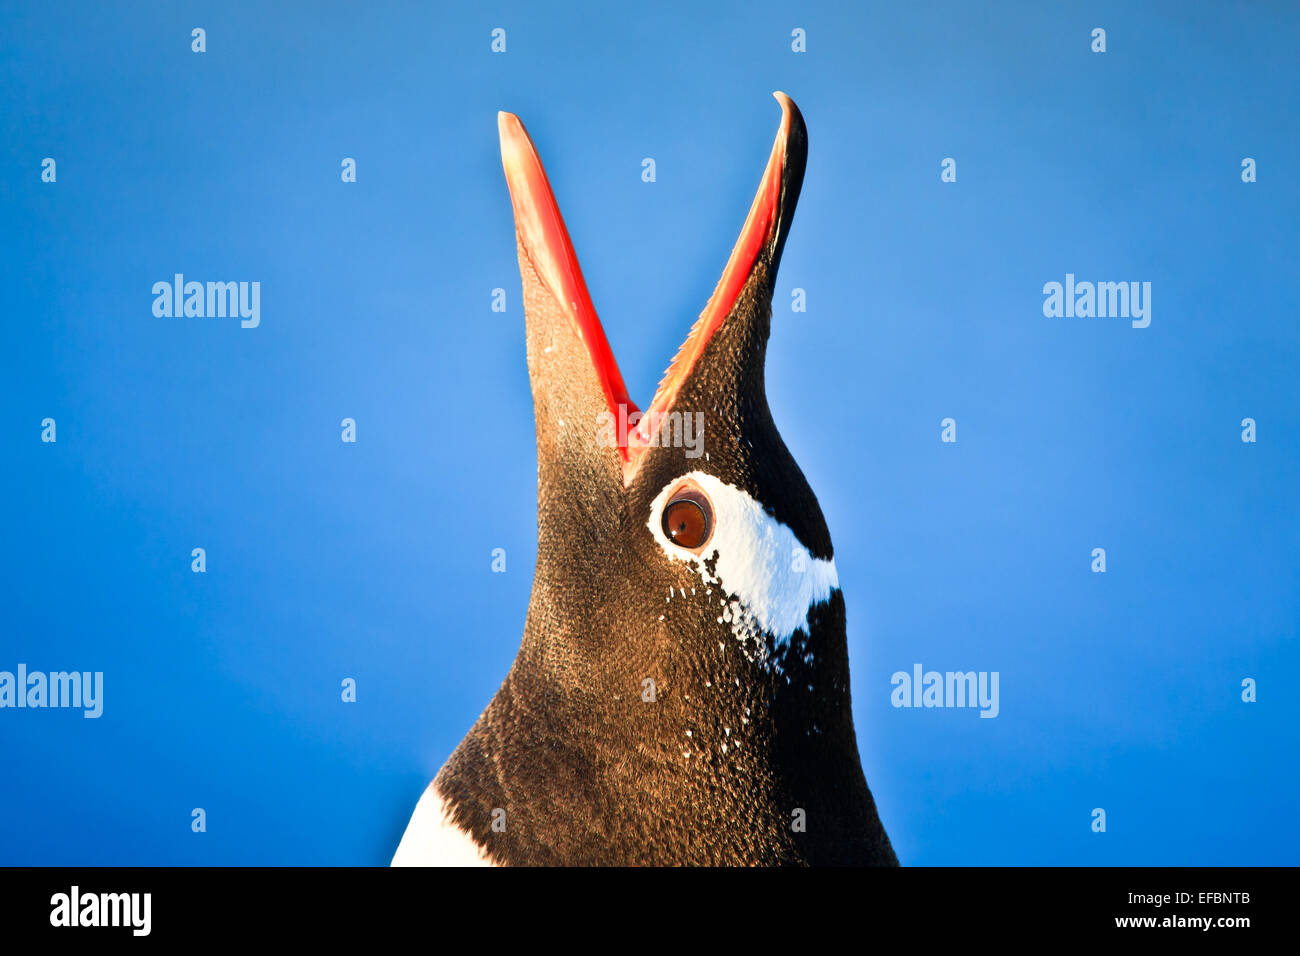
(681, 692)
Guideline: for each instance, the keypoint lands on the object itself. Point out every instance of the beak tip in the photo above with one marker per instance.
(790, 115)
(517, 152)
(508, 125)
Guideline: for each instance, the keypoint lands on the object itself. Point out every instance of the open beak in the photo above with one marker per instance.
(546, 249)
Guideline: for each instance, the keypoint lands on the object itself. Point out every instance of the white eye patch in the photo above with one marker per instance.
(774, 578)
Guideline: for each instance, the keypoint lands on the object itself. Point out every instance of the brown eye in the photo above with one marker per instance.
(688, 519)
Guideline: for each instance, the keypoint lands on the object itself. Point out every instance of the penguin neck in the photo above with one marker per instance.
(764, 708)
(706, 765)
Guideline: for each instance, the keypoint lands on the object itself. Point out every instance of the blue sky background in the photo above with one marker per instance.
(372, 560)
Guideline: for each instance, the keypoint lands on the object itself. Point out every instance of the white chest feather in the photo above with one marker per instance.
(433, 839)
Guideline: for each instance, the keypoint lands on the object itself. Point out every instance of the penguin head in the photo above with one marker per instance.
(682, 539)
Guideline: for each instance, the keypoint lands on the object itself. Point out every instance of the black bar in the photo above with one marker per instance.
(648, 907)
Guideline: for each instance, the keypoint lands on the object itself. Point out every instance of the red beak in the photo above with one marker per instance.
(544, 244)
